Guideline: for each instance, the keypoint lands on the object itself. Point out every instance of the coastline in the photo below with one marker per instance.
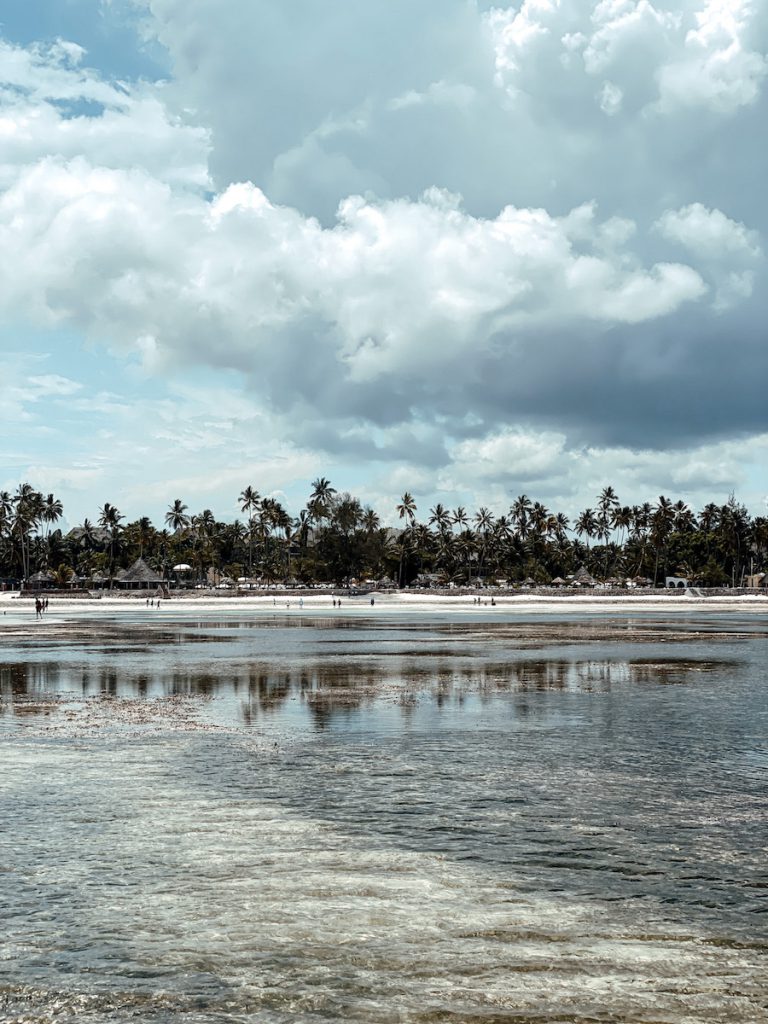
(384, 603)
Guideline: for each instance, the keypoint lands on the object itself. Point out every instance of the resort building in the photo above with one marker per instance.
(140, 577)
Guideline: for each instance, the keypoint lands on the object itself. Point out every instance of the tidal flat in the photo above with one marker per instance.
(270, 815)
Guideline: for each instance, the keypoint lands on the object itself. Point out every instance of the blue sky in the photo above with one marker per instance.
(464, 250)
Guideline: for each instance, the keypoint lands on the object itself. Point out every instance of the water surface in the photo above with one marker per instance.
(311, 817)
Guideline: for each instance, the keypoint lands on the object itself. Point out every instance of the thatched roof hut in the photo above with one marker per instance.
(139, 576)
(582, 578)
(42, 580)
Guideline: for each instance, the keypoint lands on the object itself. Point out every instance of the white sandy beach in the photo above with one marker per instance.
(395, 604)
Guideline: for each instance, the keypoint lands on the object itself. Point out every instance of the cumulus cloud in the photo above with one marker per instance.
(50, 103)
(717, 67)
(709, 232)
(400, 295)
(728, 249)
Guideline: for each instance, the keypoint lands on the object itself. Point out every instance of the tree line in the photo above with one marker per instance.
(335, 537)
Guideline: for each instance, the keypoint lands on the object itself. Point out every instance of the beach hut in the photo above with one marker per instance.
(139, 576)
(558, 581)
(583, 578)
(42, 580)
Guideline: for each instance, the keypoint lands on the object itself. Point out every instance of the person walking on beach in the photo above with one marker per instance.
(38, 608)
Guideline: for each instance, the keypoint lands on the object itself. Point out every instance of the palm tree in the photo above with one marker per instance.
(176, 517)
(440, 517)
(586, 524)
(607, 504)
(250, 500)
(302, 526)
(144, 529)
(460, 518)
(110, 518)
(27, 512)
(6, 505)
(370, 521)
(560, 528)
(321, 489)
(640, 531)
(320, 498)
(484, 523)
(501, 538)
(406, 510)
(466, 547)
(518, 513)
(52, 511)
(621, 519)
(733, 530)
(204, 527)
(607, 500)
(662, 522)
(87, 534)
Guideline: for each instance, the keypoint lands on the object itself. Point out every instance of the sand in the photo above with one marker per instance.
(403, 604)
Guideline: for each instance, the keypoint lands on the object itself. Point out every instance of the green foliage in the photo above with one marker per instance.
(335, 538)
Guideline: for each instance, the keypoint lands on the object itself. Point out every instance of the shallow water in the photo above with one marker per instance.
(272, 818)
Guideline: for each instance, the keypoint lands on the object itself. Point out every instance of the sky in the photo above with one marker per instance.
(464, 250)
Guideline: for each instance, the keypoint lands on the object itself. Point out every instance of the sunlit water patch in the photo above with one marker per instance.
(260, 822)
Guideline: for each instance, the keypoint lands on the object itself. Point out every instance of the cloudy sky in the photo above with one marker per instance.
(438, 245)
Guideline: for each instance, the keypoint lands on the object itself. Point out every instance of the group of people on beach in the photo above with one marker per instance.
(151, 602)
(41, 605)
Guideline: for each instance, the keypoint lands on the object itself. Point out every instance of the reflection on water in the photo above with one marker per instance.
(235, 823)
(330, 687)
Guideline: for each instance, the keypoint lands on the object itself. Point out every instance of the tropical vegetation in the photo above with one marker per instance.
(335, 538)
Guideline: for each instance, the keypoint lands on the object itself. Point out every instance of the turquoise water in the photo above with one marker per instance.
(262, 818)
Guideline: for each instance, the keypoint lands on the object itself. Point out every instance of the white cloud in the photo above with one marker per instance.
(610, 98)
(394, 286)
(726, 248)
(49, 104)
(511, 453)
(709, 232)
(716, 68)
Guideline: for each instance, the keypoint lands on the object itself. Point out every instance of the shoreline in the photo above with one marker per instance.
(399, 603)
